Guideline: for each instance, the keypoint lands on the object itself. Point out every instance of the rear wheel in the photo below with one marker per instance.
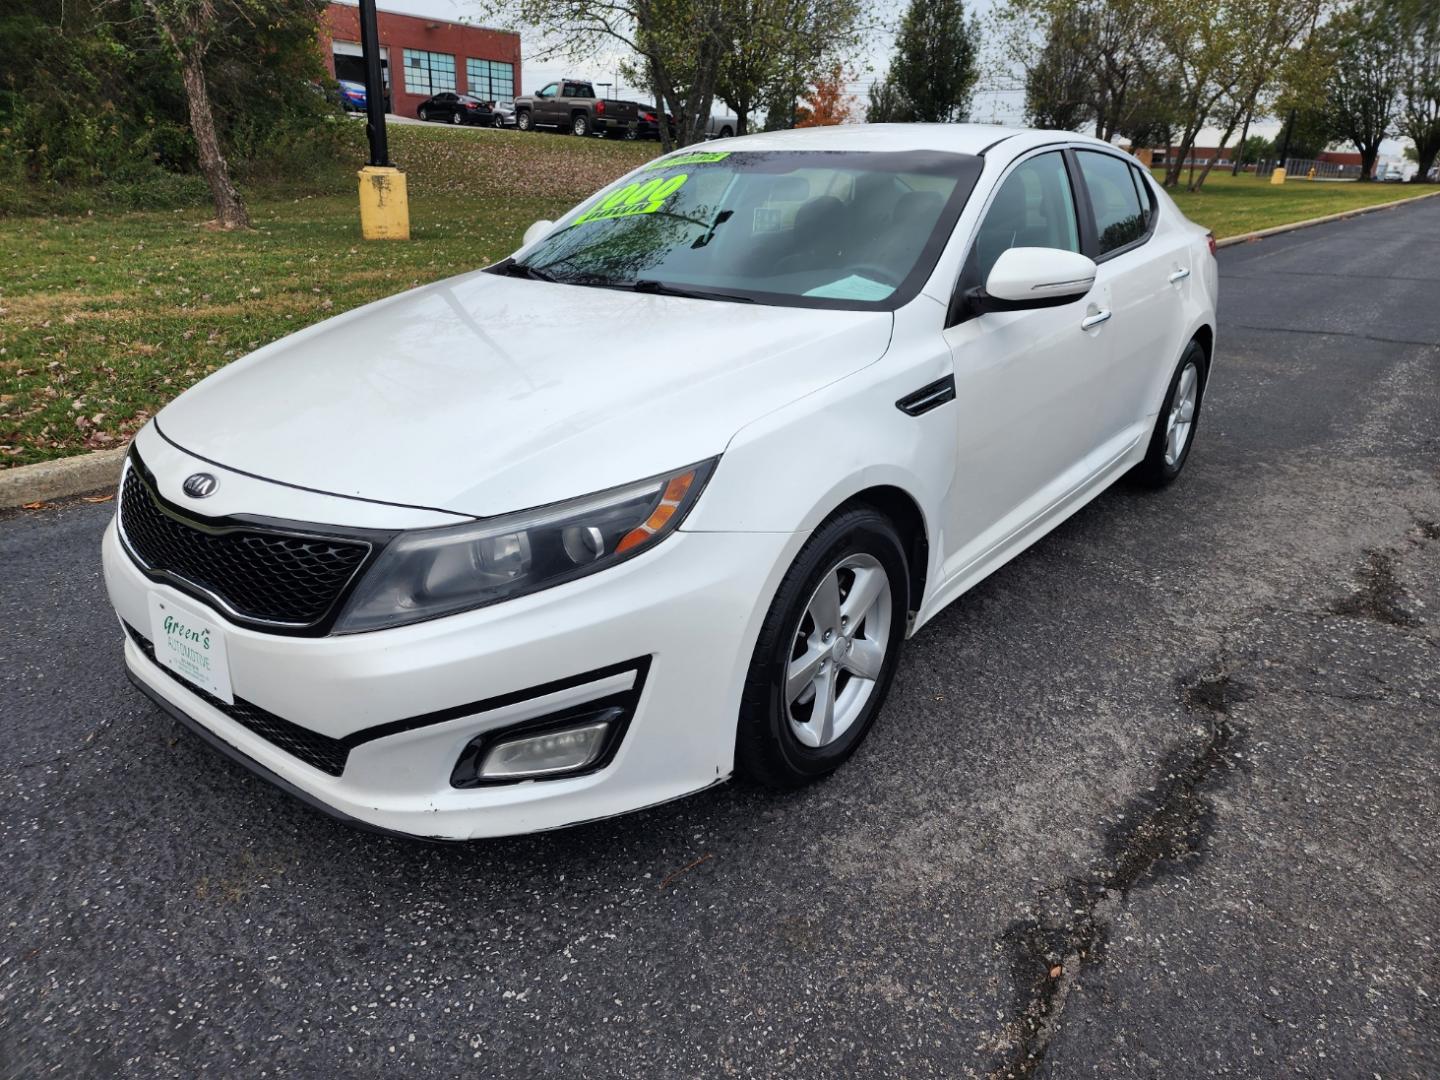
(1174, 432)
(826, 652)
(580, 124)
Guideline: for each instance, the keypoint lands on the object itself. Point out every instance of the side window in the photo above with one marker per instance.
(1033, 208)
(1147, 200)
(1119, 220)
(578, 90)
(546, 91)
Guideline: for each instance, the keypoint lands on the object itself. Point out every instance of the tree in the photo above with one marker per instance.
(935, 63)
(888, 104)
(1254, 150)
(191, 27)
(1060, 85)
(680, 45)
(1363, 89)
(1417, 36)
(827, 103)
(1113, 41)
(1266, 37)
(781, 45)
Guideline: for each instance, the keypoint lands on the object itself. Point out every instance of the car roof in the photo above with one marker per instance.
(955, 138)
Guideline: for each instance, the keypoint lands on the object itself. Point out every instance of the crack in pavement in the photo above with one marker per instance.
(1169, 826)
(1166, 827)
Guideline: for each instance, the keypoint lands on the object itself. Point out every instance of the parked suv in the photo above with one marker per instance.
(571, 106)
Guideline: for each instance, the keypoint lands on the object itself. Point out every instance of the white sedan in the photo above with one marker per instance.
(658, 499)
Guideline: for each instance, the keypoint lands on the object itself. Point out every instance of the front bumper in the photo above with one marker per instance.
(408, 700)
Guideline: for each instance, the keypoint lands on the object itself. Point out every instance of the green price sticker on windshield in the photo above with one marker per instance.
(695, 157)
(641, 197)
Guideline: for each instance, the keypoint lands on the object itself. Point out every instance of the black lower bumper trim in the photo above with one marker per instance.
(239, 756)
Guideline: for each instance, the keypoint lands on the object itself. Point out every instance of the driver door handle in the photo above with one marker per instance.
(1092, 321)
(1179, 275)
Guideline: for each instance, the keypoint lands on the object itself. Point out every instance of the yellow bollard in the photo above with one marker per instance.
(1278, 176)
(384, 204)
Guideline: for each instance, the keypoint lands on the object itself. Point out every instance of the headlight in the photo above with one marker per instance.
(432, 572)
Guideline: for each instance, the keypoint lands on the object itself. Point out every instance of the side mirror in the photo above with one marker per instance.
(538, 229)
(1032, 277)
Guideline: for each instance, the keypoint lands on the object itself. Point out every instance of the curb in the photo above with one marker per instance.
(1277, 230)
(61, 477)
(101, 468)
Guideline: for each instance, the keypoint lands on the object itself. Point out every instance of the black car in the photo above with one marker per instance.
(648, 125)
(457, 109)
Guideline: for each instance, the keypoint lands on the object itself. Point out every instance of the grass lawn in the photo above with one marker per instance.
(105, 318)
(1231, 205)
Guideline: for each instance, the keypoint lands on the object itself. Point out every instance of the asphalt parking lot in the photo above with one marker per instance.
(1159, 799)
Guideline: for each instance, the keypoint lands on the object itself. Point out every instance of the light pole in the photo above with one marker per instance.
(384, 202)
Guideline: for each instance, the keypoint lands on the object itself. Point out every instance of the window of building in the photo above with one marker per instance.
(490, 80)
(428, 72)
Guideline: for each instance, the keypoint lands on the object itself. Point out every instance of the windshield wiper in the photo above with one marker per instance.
(510, 268)
(661, 288)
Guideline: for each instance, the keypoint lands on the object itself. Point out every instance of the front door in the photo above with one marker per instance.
(1028, 384)
(545, 111)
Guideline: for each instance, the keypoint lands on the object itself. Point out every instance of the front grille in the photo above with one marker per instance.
(264, 575)
(320, 751)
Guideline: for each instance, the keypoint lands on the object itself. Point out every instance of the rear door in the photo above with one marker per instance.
(1143, 275)
(574, 95)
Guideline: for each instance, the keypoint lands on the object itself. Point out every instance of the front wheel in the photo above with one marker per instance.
(456, 118)
(522, 121)
(826, 652)
(425, 115)
(1174, 432)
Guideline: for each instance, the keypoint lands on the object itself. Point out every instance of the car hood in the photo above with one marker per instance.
(484, 394)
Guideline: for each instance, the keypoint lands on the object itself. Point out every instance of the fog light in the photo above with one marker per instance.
(541, 755)
(569, 745)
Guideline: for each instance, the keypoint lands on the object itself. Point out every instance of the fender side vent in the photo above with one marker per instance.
(928, 397)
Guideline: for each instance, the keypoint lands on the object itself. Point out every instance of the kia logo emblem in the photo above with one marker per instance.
(200, 485)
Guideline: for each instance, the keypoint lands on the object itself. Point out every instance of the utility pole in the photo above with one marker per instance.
(384, 201)
(374, 86)
(1278, 176)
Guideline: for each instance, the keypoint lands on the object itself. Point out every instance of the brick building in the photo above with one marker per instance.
(421, 56)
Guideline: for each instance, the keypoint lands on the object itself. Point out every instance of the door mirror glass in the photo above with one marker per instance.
(1024, 277)
(536, 230)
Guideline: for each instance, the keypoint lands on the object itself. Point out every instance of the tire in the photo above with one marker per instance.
(726, 133)
(580, 125)
(780, 740)
(425, 115)
(456, 119)
(1177, 423)
(522, 120)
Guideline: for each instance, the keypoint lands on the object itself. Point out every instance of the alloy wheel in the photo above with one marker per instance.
(1182, 414)
(838, 652)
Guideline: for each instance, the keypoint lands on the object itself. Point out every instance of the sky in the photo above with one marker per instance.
(997, 100)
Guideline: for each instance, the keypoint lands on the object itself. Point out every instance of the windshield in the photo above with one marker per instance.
(806, 228)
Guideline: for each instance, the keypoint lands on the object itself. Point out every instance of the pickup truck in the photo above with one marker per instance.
(571, 106)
